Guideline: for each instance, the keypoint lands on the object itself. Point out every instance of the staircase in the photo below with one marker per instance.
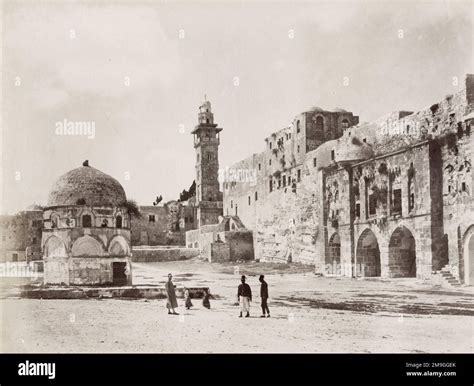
(448, 279)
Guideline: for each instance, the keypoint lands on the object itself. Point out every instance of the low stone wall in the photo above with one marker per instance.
(129, 292)
(152, 254)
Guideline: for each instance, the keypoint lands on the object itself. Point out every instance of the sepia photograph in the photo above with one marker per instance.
(230, 177)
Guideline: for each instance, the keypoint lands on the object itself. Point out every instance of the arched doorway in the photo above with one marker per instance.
(402, 253)
(319, 123)
(334, 253)
(469, 257)
(368, 254)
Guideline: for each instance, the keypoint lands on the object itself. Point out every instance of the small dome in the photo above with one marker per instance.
(355, 150)
(345, 150)
(86, 186)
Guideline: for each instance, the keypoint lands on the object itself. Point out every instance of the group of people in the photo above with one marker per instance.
(244, 296)
(172, 303)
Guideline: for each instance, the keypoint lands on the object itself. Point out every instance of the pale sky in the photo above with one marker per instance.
(139, 70)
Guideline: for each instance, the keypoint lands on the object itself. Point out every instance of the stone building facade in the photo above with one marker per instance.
(390, 198)
(20, 238)
(86, 234)
(165, 224)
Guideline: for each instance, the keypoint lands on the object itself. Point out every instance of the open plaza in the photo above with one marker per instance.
(309, 313)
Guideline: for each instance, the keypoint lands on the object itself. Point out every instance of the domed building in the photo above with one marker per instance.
(86, 234)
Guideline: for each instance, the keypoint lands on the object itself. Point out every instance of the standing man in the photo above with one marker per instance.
(264, 296)
(171, 302)
(244, 294)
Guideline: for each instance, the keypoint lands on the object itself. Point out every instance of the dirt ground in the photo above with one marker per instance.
(308, 314)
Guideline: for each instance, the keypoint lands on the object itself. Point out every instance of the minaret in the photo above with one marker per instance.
(206, 143)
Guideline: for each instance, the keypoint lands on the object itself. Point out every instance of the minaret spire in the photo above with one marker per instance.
(206, 143)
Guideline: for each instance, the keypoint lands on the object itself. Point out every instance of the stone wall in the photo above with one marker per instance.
(457, 197)
(285, 221)
(153, 254)
(192, 238)
(85, 271)
(418, 164)
(218, 252)
(126, 292)
(163, 225)
(19, 233)
(240, 243)
(57, 271)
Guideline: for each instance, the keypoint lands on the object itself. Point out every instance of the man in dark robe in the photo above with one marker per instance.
(171, 302)
(264, 296)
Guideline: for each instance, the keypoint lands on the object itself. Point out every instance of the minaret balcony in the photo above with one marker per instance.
(206, 140)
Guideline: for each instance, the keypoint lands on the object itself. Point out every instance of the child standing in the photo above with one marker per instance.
(205, 301)
(187, 299)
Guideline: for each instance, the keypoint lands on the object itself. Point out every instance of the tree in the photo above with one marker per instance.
(132, 208)
(158, 200)
(185, 195)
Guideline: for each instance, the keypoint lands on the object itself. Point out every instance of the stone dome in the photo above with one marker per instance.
(346, 149)
(86, 186)
(354, 150)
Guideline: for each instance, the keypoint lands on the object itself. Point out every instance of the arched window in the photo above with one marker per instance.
(320, 123)
(118, 222)
(86, 221)
(411, 188)
(54, 221)
(298, 126)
